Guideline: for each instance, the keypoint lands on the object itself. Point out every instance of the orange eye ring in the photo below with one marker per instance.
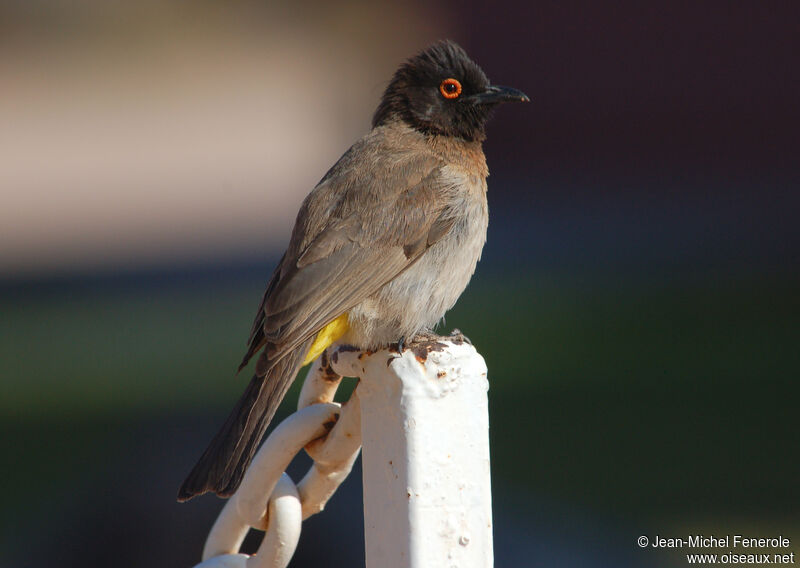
(450, 88)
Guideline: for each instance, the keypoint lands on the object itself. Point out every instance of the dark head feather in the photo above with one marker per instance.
(413, 94)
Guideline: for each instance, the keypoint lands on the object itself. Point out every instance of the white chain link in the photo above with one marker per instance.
(331, 435)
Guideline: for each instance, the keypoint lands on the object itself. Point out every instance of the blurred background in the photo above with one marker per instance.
(637, 302)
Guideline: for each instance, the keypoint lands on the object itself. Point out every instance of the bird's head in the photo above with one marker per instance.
(442, 91)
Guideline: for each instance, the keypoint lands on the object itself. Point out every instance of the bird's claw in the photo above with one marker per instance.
(457, 337)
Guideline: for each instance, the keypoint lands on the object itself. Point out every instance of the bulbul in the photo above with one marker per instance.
(382, 247)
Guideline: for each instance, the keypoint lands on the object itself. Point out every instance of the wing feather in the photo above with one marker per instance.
(371, 217)
(350, 259)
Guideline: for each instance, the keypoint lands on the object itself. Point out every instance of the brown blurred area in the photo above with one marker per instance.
(138, 132)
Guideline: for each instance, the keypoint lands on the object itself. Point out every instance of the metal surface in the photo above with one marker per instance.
(425, 427)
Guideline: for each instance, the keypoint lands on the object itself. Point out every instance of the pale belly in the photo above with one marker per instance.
(419, 297)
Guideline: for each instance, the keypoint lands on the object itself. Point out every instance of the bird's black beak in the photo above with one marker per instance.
(496, 95)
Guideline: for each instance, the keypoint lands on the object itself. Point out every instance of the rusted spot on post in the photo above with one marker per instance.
(421, 350)
(365, 353)
(326, 372)
(343, 349)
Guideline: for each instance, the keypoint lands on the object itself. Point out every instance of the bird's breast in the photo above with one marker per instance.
(419, 297)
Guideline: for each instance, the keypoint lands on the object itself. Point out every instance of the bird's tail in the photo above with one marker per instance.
(222, 466)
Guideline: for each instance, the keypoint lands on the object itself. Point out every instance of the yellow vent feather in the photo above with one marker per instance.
(326, 336)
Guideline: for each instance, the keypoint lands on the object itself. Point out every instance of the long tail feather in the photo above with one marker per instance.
(222, 466)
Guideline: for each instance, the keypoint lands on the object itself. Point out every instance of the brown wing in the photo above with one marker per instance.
(353, 255)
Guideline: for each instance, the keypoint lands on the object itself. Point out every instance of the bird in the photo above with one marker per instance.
(381, 248)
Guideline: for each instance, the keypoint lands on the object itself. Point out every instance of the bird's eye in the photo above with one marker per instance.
(450, 88)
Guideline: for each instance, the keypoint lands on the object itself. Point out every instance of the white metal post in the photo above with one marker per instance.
(425, 436)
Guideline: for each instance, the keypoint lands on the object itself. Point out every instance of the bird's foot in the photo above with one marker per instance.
(427, 336)
(457, 337)
(423, 343)
(426, 341)
(405, 343)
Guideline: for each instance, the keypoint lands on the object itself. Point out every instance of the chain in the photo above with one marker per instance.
(330, 434)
